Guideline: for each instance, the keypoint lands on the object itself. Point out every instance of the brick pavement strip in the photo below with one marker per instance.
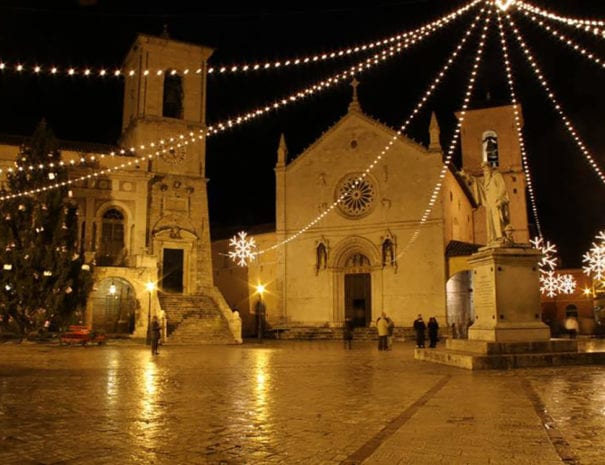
(370, 446)
(286, 402)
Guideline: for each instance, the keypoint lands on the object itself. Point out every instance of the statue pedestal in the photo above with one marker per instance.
(506, 295)
(507, 331)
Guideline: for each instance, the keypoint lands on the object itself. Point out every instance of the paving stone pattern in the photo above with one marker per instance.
(289, 402)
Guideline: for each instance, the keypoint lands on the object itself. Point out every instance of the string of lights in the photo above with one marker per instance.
(352, 71)
(592, 26)
(132, 162)
(118, 72)
(181, 139)
(519, 129)
(551, 96)
(566, 40)
(428, 93)
(454, 141)
(219, 127)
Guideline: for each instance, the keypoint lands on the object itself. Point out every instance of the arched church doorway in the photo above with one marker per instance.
(114, 305)
(358, 286)
(460, 310)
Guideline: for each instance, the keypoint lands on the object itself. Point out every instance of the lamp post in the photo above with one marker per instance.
(260, 312)
(150, 287)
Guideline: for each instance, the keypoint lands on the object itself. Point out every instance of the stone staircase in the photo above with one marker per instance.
(194, 319)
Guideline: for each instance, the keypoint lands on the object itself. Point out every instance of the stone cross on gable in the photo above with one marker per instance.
(354, 105)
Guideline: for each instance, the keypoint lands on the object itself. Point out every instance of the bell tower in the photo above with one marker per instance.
(489, 135)
(164, 105)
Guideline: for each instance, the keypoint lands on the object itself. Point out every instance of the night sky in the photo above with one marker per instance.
(240, 161)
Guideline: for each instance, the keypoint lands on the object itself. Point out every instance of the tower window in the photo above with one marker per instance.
(173, 96)
(490, 148)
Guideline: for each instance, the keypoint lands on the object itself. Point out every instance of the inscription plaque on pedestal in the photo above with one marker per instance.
(506, 290)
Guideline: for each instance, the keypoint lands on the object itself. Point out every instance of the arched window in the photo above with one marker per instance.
(112, 251)
(490, 148)
(173, 96)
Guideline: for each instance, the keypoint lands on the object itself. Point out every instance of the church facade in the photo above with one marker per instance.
(349, 242)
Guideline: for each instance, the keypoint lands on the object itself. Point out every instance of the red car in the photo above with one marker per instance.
(78, 334)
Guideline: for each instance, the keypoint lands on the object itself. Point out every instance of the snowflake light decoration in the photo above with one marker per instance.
(567, 283)
(244, 250)
(594, 259)
(549, 283)
(548, 262)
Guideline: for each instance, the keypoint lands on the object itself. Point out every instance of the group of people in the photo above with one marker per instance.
(385, 328)
(420, 328)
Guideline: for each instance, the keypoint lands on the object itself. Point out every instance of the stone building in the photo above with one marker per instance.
(369, 252)
(144, 218)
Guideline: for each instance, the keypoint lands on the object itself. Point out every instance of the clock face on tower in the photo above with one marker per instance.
(174, 155)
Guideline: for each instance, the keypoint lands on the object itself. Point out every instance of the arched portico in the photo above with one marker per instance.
(114, 306)
(459, 295)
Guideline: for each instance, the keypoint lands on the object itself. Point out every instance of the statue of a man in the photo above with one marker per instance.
(490, 191)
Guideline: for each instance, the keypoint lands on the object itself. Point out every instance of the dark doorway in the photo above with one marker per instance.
(172, 267)
(358, 303)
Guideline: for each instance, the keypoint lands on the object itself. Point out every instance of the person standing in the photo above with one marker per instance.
(382, 325)
(433, 327)
(391, 329)
(420, 328)
(347, 333)
(572, 326)
(155, 335)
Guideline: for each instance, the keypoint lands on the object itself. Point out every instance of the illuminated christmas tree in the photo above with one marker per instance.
(43, 279)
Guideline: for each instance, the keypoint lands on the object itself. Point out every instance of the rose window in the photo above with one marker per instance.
(357, 196)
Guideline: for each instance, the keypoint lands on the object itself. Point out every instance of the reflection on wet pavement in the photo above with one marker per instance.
(284, 402)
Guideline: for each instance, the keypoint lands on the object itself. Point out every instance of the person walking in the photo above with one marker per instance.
(347, 333)
(155, 335)
(391, 329)
(433, 327)
(382, 325)
(420, 328)
(572, 326)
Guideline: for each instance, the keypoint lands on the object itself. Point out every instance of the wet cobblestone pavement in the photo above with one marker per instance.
(285, 402)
